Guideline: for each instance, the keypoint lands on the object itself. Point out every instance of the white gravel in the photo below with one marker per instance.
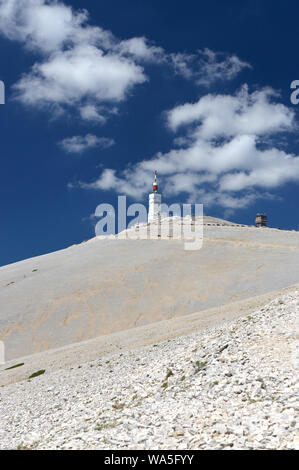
(230, 387)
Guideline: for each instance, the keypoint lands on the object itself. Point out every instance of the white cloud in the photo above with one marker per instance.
(96, 114)
(231, 115)
(109, 181)
(141, 49)
(215, 66)
(79, 144)
(220, 161)
(48, 26)
(85, 66)
(82, 65)
(207, 66)
(81, 73)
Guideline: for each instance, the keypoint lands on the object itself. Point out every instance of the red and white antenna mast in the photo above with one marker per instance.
(154, 206)
(155, 184)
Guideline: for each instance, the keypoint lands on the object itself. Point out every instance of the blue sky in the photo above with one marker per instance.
(100, 94)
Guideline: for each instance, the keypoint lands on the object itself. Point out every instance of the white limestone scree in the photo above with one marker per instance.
(155, 200)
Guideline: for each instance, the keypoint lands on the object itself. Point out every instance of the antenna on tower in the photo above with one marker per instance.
(155, 184)
(154, 209)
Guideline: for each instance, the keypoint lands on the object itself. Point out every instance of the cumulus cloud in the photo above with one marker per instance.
(78, 144)
(96, 114)
(82, 73)
(47, 26)
(215, 66)
(125, 184)
(219, 159)
(231, 115)
(141, 49)
(207, 66)
(81, 66)
(86, 67)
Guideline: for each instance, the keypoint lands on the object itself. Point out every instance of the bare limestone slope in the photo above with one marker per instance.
(73, 355)
(105, 286)
(233, 386)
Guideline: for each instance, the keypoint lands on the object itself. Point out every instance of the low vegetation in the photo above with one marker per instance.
(17, 365)
(36, 374)
(198, 366)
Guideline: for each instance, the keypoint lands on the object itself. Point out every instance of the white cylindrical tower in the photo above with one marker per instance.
(155, 200)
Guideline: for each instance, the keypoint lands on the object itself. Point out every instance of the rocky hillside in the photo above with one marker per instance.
(229, 387)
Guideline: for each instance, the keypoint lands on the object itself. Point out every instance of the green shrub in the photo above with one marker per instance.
(17, 365)
(36, 374)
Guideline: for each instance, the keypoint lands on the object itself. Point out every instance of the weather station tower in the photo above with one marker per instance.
(155, 199)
